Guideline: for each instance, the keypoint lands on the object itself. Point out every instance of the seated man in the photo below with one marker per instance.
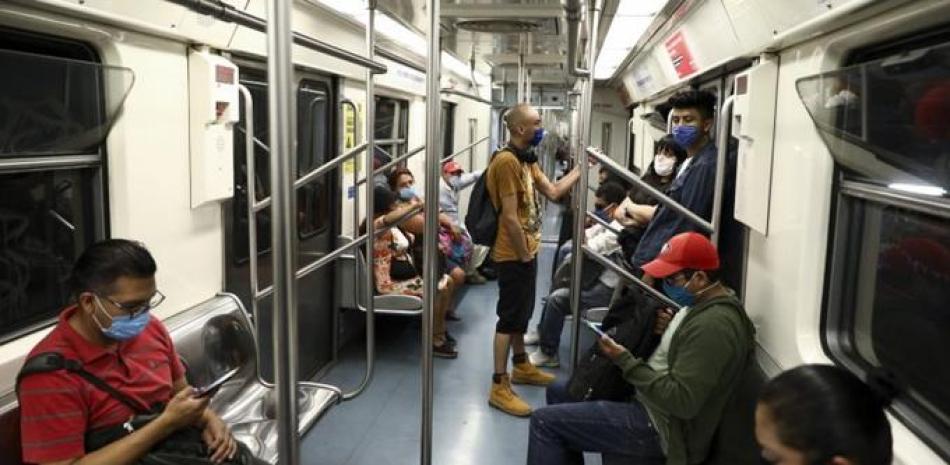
(694, 185)
(111, 332)
(682, 388)
(454, 179)
(558, 303)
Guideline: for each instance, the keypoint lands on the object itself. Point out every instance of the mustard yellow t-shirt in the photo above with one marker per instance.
(507, 175)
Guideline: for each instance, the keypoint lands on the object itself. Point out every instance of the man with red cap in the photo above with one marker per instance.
(454, 179)
(682, 388)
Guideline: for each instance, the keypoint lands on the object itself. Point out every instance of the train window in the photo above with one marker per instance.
(885, 120)
(889, 259)
(313, 128)
(448, 128)
(392, 124)
(55, 113)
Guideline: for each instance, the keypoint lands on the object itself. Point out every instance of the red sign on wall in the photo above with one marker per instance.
(680, 56)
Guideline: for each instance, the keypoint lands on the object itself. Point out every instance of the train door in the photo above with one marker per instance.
(316, 210)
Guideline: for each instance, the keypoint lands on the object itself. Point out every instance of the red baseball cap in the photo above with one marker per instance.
(683, 251)
(451, 166)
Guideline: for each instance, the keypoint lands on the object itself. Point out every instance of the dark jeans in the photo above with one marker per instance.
(558, 306)
(562, 431)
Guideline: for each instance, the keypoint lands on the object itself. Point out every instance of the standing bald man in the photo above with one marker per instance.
(513, 182)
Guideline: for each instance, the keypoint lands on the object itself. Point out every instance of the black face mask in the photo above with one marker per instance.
(525, 156)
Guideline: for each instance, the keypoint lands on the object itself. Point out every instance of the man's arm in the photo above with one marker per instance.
(182, 410)
(704, 355)
(554, 191)
(509, 216)
(467, 179)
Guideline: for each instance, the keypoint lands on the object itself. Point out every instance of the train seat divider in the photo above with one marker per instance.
(211, 338)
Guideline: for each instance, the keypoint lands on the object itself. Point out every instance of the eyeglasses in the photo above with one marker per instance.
(135, 309)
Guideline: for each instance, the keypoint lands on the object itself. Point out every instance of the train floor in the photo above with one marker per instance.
(381, 427)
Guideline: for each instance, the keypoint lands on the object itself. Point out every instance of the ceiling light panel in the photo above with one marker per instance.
(631, 20)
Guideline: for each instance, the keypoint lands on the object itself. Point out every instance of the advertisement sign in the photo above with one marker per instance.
(680, 55)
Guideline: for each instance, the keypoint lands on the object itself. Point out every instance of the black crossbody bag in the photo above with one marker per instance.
(183, 447)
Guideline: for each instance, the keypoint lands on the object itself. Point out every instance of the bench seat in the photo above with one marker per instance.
(211, 338)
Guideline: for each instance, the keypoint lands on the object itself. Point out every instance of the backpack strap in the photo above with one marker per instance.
(48, 362)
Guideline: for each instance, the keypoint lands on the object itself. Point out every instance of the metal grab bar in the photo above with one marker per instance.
(467, 148)
(654, 192)
(629, 276)
(257, 141)
(580, 191)
(224, 12)
(467, 95)
(315, 173)
(603, 223)
(251, 200)
(280, 72)
(430, 238)
(333, 255)
(722, 145)
(370, 122)
(382, 169)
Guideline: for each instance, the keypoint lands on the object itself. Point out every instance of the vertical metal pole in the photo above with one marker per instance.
(282, 131)
(580, 190)
(527, 87)
(368, 284)
(430, 277)
(722, 146)
(521, 70)
(251, 171)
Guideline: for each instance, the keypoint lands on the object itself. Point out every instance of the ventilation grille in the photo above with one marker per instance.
(498, 25)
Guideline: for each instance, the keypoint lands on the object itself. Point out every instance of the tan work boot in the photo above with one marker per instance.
(503, 398)
(526, 373)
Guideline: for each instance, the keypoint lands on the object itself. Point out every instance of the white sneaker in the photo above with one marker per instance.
(532, 338)
(540, 359)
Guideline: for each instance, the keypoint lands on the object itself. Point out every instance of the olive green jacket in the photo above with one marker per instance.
(707, 358)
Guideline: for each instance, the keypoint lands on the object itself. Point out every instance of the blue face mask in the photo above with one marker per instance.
(685, 135)
(538, 135)
(602, 214)
(679, 294)
(407, 193)
(123, 327)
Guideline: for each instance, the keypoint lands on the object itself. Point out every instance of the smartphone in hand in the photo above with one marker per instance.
(212, 388)
(596, 328)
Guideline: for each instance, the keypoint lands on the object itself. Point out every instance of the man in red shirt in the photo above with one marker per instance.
(110, 332)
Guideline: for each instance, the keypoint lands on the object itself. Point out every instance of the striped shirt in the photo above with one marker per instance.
(58, 408)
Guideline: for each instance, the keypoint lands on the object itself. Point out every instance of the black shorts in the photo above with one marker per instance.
(516, 283)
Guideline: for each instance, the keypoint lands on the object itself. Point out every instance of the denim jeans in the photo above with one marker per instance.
(562, 431)
(558, 306)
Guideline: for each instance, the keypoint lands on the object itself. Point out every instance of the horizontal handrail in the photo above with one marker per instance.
(330, 165)
(220, 10)
(257, 141)
(382, 169)
(336, 253)
(465, 149)
(379, 142)
(467, 95)
(654, 192)
(314, 174)
(628, 276)
(603, 223)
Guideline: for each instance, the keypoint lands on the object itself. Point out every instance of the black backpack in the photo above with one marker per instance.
(481, 219)
(630, 323)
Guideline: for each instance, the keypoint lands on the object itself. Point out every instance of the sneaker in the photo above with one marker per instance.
(503, 398)
(526, 373)
(450, 340)
(452, 316)
(475, 278)
(444, 351)
(540, 359)
(532, 338)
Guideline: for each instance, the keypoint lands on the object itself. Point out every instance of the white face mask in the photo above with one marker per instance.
(663, 165)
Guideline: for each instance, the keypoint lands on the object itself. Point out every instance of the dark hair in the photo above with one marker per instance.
(104, 262)
(668, 142)
(701, 100)
(824, 411)
(383, 200)
(394, 176)
(611, 192)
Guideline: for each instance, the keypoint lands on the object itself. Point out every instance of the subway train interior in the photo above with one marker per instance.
(175, 122)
